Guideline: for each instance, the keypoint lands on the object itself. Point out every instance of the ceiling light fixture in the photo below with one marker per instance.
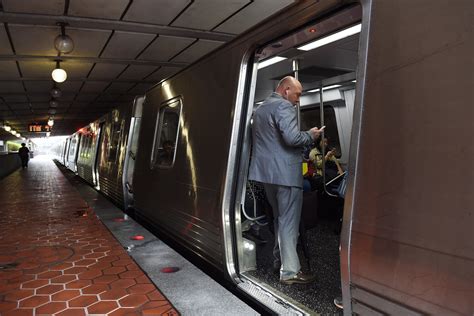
(331, 38)
(53, 103)
(63, 43)
(7, 128)
(59, 75)
(325, 88)
(270, 61)
(56, 92)
(50, 122)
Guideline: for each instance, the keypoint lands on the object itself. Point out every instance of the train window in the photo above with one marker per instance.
(166, 134)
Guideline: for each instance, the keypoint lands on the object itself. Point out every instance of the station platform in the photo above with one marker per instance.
(66, 250)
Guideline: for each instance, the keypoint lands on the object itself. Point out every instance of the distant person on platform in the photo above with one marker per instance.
(276, 162)
(24, 153)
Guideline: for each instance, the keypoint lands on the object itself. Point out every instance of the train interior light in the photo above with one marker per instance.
(331, 38)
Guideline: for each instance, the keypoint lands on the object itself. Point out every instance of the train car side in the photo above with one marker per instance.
(186, 200)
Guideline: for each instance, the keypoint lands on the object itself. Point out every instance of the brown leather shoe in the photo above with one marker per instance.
(299, 278)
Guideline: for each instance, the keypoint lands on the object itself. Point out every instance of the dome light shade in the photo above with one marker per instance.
(53, 103)
(59, 75)
(63, 44)
(7, 128)
(56, 92)
(50, 122)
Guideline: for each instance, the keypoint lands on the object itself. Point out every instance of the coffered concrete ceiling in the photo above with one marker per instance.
(122, 48)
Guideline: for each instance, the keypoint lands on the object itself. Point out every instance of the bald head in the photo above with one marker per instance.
(290, 89)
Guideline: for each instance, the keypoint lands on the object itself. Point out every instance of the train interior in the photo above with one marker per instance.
(326, 66)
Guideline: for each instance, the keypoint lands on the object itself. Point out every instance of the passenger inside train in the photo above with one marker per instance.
(327, 74)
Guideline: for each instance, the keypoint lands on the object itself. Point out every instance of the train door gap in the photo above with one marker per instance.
(98, 155)
(327, 72)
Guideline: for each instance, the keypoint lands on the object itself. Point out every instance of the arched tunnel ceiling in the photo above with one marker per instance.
(122, 47)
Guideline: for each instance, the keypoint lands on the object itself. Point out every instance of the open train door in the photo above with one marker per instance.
(328, 57)
(132, 149)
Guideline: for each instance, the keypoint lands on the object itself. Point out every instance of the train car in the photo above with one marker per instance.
(380, 74)
(105, 156)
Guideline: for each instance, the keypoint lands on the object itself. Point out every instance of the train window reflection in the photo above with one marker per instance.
(166, 134)
(116, 128)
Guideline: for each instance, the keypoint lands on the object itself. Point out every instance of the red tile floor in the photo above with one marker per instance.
(57, 258)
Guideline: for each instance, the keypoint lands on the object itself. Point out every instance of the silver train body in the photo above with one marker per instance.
(407, 235)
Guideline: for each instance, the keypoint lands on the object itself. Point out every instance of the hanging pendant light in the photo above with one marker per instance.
(53, 103)
(59, 75)
(63, 43)
(56, 92)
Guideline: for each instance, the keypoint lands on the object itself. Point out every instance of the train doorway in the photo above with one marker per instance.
(324, 58)
(98, 150)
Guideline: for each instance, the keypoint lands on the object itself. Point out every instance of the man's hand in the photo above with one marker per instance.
(315, 132)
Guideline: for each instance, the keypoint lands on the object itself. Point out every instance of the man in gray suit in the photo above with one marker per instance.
(276, 162)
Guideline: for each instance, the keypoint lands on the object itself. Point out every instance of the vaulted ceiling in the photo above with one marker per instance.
(122, 48)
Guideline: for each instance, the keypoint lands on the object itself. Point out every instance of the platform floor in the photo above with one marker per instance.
(58, 258)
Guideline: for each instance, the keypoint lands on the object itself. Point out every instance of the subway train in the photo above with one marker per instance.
(391, 81)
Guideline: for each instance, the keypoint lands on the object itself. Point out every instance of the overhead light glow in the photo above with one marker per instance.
(270, 61)
(56, 92)
(331, 38)
(354, 81)
(258, 103)
(7, 128)
(325, 88)
(59, 75)
(53, 103)
(50, 122)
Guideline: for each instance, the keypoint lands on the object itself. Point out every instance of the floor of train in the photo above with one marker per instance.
(323, 245)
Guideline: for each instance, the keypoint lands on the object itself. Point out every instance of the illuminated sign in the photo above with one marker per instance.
(38, 128)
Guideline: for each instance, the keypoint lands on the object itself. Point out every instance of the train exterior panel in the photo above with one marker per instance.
(410, 222)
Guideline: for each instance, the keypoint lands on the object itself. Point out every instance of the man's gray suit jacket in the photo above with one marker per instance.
(277, 143)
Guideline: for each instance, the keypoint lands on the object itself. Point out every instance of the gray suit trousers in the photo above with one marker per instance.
(286, 203)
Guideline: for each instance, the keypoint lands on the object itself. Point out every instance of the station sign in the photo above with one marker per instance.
(39, 128)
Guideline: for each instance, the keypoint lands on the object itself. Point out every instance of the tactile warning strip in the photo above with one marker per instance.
(57, 258)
